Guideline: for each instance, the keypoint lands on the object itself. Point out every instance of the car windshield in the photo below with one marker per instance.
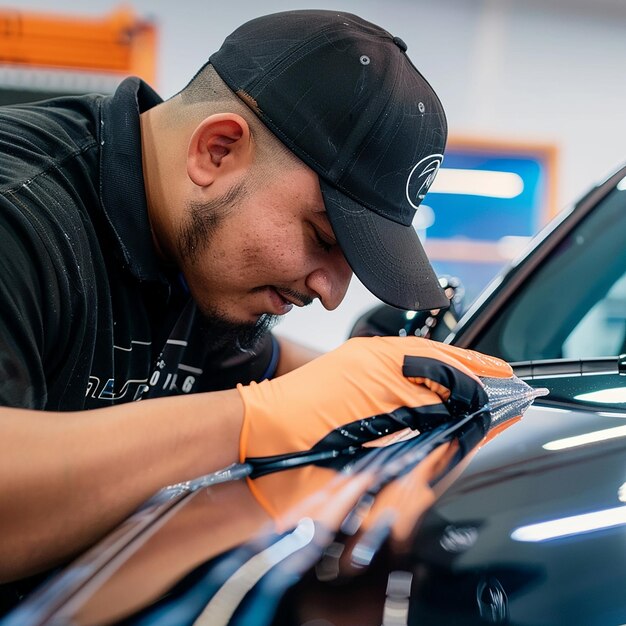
(574, 304)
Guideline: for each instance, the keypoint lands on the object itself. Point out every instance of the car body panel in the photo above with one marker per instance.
(468, 569)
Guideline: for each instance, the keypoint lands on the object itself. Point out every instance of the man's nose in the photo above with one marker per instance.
(330, 280)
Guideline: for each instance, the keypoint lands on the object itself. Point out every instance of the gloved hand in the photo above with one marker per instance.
(364, 390)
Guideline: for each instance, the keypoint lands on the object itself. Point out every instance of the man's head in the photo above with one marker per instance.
(306, 128)
(237, 212)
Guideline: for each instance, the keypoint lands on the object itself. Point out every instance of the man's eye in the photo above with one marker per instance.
(321, 242)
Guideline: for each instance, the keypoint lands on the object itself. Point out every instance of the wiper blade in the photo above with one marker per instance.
(566, 367)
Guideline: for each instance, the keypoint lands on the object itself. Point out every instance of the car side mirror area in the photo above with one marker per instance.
(436, 324)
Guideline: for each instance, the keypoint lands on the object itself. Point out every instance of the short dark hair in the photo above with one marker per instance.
(208, 89)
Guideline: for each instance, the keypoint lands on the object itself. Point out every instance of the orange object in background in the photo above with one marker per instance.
(118, 43)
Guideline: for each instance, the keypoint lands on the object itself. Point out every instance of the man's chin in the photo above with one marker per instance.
(224, 333)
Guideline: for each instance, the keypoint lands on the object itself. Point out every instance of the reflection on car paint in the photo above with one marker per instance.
(492, 601)
(458, 538)
(586, 438)
(396, 607)
(574, 525)
(615, 395)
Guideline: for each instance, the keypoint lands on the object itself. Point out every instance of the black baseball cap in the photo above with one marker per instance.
(342, 94)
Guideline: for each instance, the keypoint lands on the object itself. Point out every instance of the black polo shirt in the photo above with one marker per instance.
(88, 315)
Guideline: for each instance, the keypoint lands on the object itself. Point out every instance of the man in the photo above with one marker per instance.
(148, 246)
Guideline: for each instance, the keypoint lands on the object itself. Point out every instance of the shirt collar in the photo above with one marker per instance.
(121, 174)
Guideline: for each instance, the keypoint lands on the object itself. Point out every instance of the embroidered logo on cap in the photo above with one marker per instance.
(421, 178)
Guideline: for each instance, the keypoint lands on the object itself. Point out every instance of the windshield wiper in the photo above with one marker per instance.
(567, 367)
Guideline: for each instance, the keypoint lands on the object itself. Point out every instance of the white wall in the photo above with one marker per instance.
(548, 71)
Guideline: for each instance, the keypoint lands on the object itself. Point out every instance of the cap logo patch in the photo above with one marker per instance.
(421, 178)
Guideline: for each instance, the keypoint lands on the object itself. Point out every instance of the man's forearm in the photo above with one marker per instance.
(293, 355)
(68, 478)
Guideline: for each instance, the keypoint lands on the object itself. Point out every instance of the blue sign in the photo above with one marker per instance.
(480, 199)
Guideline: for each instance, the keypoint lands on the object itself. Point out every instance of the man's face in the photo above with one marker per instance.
(267, 248)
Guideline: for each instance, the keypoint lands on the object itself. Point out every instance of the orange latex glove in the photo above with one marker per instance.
(361, 392)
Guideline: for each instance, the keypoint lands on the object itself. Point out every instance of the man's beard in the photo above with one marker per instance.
(202, 221)
(222, 333)
(194, 235)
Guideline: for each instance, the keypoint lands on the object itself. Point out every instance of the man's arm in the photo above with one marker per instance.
(68, 478)
(293, 355)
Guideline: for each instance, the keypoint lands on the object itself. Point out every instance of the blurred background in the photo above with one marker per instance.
(533, 89)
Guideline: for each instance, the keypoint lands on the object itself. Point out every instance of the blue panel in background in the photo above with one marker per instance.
(484, 217)
(461, 218)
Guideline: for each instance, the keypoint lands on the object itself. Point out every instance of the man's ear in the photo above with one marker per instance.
(220, 144)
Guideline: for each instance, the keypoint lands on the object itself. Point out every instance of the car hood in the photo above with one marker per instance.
(532, 533)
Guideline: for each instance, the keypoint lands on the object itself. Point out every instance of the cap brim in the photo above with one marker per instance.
(387, 257)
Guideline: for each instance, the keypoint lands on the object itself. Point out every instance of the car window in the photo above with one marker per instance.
(574, 304)
(601, 332)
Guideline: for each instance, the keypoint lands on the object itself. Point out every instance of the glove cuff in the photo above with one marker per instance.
(244, 390)
(245, 426)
